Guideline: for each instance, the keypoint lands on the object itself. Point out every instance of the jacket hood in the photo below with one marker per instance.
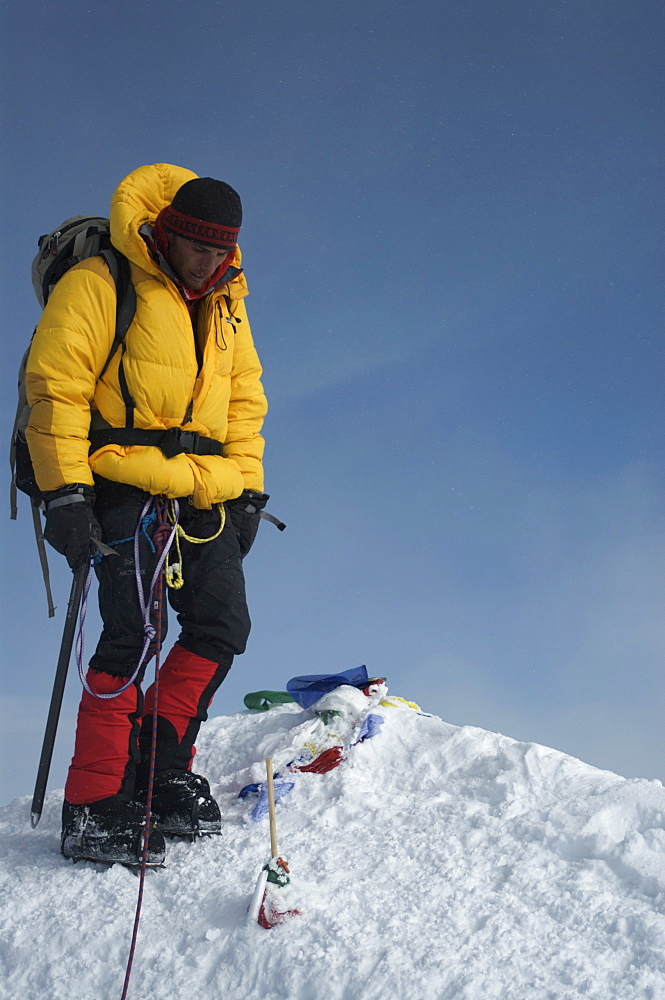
(138, 200)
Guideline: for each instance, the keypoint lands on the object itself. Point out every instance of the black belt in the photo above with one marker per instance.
(172, 442)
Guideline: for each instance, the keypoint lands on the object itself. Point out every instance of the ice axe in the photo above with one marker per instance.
(266, 906)
(71, 618)
(58, 692)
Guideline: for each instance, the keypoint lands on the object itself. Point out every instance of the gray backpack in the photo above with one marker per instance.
(75, 240)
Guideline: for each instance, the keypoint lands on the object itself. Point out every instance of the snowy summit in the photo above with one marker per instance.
(432, 863)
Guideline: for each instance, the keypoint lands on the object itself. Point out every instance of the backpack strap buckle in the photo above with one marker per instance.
(170, 443)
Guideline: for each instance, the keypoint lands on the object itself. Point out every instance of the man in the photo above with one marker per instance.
(187, 366)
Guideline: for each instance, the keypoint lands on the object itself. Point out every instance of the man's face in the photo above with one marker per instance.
(194, 263)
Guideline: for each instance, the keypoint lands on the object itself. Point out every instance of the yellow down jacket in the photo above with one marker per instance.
(223, 399)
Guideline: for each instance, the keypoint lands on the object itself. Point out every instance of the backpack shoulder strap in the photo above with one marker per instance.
(120, 270)
(126, 307)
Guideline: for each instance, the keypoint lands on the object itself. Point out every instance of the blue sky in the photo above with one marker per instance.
(452, 239)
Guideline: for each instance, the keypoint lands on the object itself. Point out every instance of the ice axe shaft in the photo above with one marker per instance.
(58, 691)
(256, 910)
(271, 808)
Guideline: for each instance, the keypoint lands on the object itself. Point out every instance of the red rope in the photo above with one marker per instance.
(159, 540)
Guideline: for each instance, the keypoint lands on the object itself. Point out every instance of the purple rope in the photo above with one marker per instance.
(149, 631)
(159, 538)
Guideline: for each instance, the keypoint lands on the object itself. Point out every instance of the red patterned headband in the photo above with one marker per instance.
(199, 231)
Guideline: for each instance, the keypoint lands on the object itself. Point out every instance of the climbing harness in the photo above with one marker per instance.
(173, 571)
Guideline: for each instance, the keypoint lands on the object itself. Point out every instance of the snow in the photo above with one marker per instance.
(435, 863)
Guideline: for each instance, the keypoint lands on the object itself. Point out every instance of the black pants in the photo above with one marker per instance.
(211, 607)
(110, 754)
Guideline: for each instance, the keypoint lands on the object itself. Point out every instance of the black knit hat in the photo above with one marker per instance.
(205, 211)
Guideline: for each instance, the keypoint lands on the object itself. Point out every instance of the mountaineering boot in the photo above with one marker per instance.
(110, 831)
(183, 806)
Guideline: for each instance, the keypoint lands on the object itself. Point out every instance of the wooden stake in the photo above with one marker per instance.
(271, 808)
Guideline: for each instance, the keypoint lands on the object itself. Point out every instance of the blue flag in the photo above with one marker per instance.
(308, 689)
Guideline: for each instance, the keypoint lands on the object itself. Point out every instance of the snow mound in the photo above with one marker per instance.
(435, 863)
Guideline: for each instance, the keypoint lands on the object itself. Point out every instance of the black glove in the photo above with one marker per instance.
(70, 522)
(244, 514)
